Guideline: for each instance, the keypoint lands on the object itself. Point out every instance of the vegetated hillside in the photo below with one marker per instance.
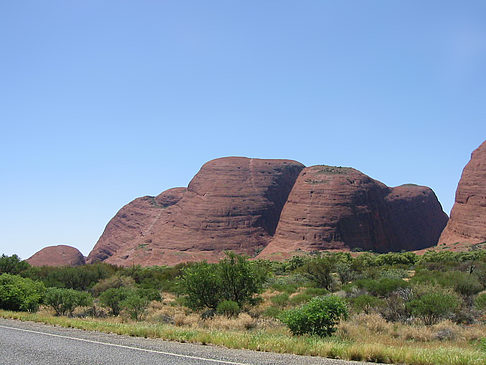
(389, 308)
(61, 255)
(248, 205)
(468, 216)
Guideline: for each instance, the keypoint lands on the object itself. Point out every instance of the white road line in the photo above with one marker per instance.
(126, 347)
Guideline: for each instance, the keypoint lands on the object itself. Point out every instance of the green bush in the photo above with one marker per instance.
(433, 306)
(228, 308)
(113, 297)
(382, 287)
(300, 298)
(272, 312)
(480, 302)
(65, 301)
(20, 294)
(135, 305)
(318, 317)
(366, 303)
(113, 282)
(463, 283)
(280, 299)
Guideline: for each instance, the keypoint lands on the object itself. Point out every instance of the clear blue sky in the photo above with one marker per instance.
(105, 101)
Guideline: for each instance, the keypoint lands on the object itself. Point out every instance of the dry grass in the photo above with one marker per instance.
(353, 341)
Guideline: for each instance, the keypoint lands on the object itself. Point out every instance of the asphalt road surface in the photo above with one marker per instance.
(33, 343)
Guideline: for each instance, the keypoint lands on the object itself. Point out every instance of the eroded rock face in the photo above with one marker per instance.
(133, 223)
(233, 203)
(339, 208)
(468, 216)
(60, 255)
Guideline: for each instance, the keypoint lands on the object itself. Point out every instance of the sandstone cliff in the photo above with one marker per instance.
(340, 208)
(468, 215)
(232, 203)
(276, 207)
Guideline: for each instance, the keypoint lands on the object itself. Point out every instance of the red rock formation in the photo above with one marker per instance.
(233, 203)
(60, 255)
(133, 222)
(468, 215)
(339, 208)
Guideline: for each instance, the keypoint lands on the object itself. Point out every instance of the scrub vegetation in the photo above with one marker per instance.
(394, 308)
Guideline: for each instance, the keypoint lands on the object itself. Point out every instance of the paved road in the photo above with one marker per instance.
(33, 343)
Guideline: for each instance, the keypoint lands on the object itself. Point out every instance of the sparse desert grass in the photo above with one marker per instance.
(352, 342)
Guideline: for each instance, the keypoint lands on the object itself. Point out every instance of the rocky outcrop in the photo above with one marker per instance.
(340, 208)
(233, 203)
(133, 223)
(276, 207)
(60, 255)
(468, 216)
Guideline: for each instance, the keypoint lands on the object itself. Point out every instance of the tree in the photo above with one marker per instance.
(240, 279)
(234, 278)
(12, 265)
(201, 283)
(65, 301)
(319, 270)
(113, 297)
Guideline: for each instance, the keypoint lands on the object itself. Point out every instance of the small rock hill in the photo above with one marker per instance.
(468, 216)
(60, 255)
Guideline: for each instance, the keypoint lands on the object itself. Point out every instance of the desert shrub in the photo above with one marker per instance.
(135, 305)
(300, 298)
(345, 271)
(316, 291)
(272, 312)
(287, 284)
(394, 308)
(366, 303)
(405, 259)
(319, 271)
(113, 282)
(20, 294)
(433, 306)
(113, 297)
(480, 302)
(65, 301)
(382, 287)
(318, 317)
(463, 283)
(466, 284)
(280, 300)
(76, 278)
(12, 265)
(228, 308)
